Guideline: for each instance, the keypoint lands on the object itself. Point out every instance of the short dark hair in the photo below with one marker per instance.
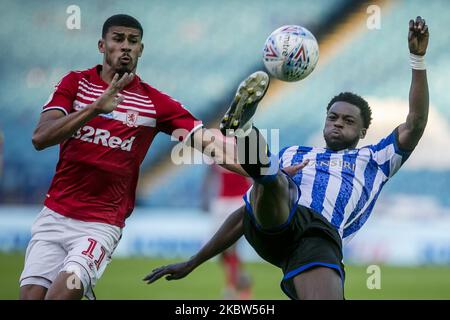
(121, 20)
(357, 101)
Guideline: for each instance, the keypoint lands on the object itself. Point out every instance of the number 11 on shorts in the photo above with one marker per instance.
(89, 252)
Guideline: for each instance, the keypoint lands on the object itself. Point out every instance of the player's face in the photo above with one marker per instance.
(122, 47)
(343, 126)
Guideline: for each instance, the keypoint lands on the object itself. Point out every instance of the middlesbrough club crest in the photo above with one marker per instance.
(131, 118)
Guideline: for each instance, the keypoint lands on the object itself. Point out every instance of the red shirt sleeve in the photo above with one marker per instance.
(174, 119)
(63, 96)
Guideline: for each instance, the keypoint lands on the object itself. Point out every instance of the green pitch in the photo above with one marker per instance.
(122, 280)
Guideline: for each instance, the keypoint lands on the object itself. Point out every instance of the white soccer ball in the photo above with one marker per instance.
(291, 53)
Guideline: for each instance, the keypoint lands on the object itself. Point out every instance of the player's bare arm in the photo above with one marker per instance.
(230, 232)
(54, 127)
(212, 143)
(411, 131)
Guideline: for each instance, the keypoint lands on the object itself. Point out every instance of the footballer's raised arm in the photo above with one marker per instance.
(410, 132)
(54, 126)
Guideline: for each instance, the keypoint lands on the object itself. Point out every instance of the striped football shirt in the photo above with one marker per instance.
(98, 167)
(344, 185)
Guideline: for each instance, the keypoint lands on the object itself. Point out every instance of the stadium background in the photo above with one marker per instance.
(198, 51)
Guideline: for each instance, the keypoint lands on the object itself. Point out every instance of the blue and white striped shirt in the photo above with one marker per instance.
(344, 185)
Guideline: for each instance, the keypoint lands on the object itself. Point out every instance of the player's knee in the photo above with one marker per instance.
(67, 286)
(319, 283)
(71, 283)
(83, 274)
(32, 292)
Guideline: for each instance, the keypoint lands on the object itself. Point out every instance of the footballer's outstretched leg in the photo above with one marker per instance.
(272, 192)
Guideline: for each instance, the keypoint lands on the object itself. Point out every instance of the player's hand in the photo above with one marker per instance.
(293, 170)
(418, 36)
(173, 271)
(111, 98)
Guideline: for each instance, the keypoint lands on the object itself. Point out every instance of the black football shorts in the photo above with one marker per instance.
(305, 241)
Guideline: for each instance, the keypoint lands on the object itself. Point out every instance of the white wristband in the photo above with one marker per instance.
(417, 62)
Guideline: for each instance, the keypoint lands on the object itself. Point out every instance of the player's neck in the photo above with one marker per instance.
(339, 149)
(107, 73)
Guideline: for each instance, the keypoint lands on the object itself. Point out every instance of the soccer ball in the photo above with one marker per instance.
(291, 53)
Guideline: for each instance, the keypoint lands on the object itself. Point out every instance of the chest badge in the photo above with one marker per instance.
(131, 118)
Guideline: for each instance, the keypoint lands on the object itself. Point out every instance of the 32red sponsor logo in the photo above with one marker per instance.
(103, 137)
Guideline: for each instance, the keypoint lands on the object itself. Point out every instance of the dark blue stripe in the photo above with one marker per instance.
(404, 153)
(295, 272)
(305, 267)
(345, 191)
(296, 159)
(386, 167)
(369, 178)
(320, 182)
(281, 153)
(359, 222)
(248, 206)
(390, 139)
(304, 150)
(249, 211)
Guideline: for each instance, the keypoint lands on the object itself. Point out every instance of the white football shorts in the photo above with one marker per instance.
(59, 243)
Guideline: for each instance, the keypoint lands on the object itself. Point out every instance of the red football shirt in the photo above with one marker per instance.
(97, 172)
(231, 184)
